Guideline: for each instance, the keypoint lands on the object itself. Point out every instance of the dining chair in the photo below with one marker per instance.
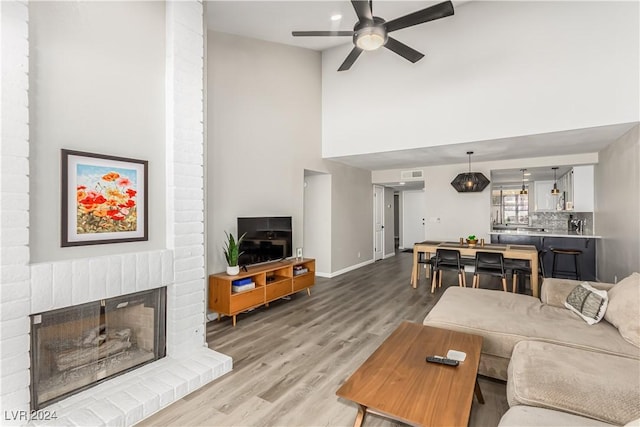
(492, 264)
(520, 268)
(447, 259)
(423, 259)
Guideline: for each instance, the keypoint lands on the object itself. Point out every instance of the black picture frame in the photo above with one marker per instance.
(104, 199)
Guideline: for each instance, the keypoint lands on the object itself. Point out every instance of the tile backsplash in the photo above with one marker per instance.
(558, 221)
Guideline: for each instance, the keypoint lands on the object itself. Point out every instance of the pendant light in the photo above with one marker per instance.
(470, 182)
(524, 190)
(554, 190)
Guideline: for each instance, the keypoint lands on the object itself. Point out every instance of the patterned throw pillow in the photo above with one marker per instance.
(587, 302)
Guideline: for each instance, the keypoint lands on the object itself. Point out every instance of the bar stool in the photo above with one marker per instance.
(557, 252)
(447, 259)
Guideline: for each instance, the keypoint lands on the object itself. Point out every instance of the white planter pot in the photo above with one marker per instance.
(233, 270)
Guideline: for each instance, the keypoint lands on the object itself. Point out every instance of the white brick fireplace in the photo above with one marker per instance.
(28, 288)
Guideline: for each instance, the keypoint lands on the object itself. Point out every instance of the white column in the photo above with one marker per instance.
(185, 174)
(14, 211)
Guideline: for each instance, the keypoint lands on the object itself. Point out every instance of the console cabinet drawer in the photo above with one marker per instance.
(303, 281)
(247, 299)
(278, 290)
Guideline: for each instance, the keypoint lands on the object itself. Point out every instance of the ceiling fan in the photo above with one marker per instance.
(372, 32)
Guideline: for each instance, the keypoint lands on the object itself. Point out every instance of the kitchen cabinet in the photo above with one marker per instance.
(565, 263)
(544, 200)
(583, 189)
(565, 185)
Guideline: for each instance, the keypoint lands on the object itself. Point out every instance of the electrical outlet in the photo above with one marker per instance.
(358, 254)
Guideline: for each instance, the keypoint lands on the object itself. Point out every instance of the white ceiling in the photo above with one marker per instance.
(578, 141)
(514, 176)
(274, 20)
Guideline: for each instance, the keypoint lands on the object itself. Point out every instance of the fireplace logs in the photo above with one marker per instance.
(95, 346)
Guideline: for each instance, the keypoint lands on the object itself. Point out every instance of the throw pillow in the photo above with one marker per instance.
(624, 306)
(587, 302)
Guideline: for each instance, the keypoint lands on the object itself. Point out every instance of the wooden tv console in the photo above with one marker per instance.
(272, 281)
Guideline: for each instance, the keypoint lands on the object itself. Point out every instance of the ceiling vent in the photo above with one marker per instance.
(408, 175)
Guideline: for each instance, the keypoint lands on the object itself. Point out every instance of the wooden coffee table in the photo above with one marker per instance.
(397, 382)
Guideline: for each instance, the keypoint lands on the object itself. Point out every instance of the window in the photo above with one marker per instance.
(509, 206)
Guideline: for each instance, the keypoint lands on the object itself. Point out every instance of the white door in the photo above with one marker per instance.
(378, 222)
(413, 215)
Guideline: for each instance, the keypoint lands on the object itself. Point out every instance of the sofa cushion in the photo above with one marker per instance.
(596, 385)
(530, 416)
(503, 319)
(624, 308)
(554, 291)
(587, 302)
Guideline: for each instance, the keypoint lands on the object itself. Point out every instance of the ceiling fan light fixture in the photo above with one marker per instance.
(370, 38)
(370, 32)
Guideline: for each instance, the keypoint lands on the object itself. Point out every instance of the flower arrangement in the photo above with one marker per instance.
(109, 206)
(471, 239)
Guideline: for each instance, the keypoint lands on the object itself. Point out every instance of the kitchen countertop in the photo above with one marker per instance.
(550, 233)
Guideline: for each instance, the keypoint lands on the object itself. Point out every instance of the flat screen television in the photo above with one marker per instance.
(266, 239)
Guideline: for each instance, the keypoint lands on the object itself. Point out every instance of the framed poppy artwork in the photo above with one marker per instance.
(104, 199)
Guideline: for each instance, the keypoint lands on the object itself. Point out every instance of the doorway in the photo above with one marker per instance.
(413, 218)
(378, 222)
(396, 221)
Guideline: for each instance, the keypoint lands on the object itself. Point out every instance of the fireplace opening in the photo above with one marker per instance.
(78, 347)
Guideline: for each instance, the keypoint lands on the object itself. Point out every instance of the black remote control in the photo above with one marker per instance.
(442, 360)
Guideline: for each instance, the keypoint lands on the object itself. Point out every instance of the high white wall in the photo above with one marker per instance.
(264, 130)
(493, 70)
(263, 119)
(97, 85)
(617, 203)
(462, 214)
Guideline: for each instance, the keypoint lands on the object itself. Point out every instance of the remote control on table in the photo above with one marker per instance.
(442, 360)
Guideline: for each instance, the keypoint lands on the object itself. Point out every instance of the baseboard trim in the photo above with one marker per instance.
(389, 255)
(344, 270)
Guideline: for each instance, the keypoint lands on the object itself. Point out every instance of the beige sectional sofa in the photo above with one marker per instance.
(559, 369)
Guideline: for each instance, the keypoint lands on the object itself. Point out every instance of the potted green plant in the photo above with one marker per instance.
(232, 253)
(472, 240)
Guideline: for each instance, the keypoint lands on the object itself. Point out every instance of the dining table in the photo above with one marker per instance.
(523, 252)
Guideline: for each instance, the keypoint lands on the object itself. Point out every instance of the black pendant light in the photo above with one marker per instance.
(554, 190)
(524, 190)
(470, 182)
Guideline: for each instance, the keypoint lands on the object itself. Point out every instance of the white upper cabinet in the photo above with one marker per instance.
(583, 188)
(544, 200)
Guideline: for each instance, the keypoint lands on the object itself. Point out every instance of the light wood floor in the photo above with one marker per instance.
(290, 358)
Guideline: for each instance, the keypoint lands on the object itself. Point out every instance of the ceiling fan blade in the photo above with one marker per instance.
(351, 58)
(403, 50)
(321, 33)
(438, 11)
(363, 10)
